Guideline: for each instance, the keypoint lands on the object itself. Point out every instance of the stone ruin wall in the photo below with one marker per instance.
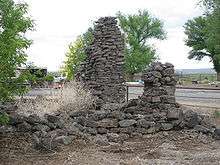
(159, 83)
(156, 110)
(102, 71)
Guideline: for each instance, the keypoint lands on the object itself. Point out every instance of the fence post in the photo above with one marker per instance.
(127, 92)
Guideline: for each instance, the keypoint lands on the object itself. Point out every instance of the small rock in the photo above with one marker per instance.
(108, 123)
(16, 119)
(6, 129)
(113, 137)
(32, 119)
(191, 119)
(52, 118)
(64, 140)
(102, 130)
(90, 130)
(127, 123)
(144, 123)
(202, 129)
(166, 126)
(24, 127)
(151, 130)
(174, 114)
(217, 134)
(101, 140)
(41, 127)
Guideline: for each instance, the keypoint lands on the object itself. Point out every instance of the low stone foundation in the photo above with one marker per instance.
(156, 110)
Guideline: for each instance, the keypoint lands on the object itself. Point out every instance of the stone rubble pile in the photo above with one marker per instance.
(102, 70)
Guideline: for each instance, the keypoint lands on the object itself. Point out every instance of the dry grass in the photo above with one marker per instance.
(72, 97)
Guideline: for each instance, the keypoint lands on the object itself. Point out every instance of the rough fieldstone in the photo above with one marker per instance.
(108, 123)
(99, 115)
(113, 137)
(52, 118)
(73, 129)
(127, 130)
(191, 119)
(151, 130)
(166, 126)
(217, 134)
(144, 123)
(6, 129)
(90, 130)
(174, 114)
(101, 140)
(127, 123)
(16, 119)
(24, 127)
(32, 119)
(117, 115)
(63, 140)
(41, 127)
(202, 129)
(102, 130)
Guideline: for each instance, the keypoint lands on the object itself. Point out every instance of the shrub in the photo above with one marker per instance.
(72, 97)
(4, 118)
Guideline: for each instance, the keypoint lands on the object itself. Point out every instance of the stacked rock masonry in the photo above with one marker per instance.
(159, 83)
(102, 70)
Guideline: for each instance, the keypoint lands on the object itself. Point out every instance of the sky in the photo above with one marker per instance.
(59, 22)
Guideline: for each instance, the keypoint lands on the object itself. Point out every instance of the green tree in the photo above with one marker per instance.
(77, 53)
(14, 23)
(203, 35)
(138, 29)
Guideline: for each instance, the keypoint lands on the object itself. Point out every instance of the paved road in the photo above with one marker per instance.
(210, 98)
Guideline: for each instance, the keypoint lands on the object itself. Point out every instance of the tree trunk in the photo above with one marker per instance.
(218, 76)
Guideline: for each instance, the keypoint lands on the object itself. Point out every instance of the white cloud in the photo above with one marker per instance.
(59, 22)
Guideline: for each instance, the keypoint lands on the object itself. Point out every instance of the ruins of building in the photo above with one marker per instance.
(102, 71)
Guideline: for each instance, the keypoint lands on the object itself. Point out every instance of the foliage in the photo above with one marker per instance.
(4, 118)
(217, 114)
(203, 34)
(77, 53)
(138, 29)
(49, 78)
(14, 23)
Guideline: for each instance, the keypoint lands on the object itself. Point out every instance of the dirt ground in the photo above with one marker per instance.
(173, 147)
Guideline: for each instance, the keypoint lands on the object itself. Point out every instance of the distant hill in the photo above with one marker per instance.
(196, 71)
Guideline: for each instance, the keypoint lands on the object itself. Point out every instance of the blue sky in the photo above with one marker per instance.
(59, 22)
